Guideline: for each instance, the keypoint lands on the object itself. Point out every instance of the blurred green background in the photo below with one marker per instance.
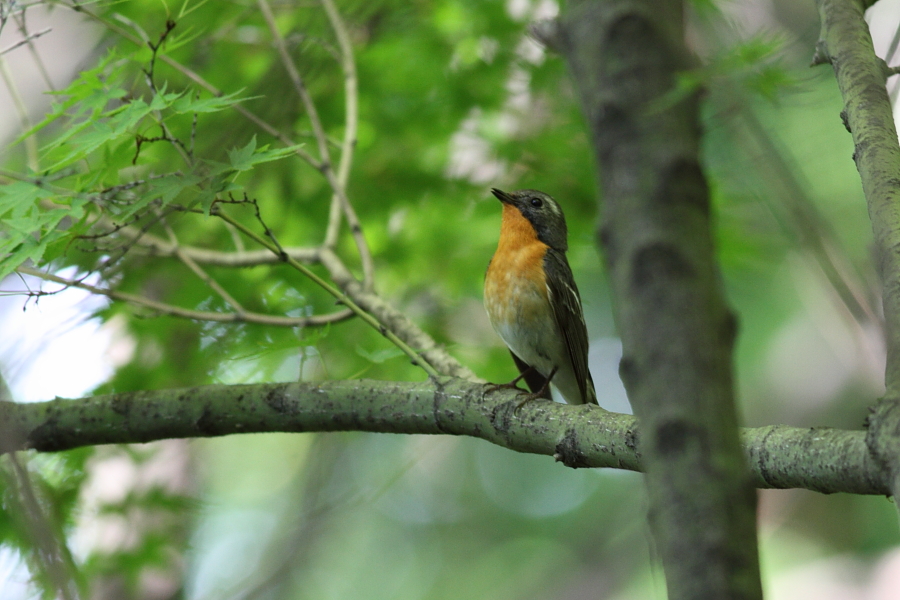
(454, 99)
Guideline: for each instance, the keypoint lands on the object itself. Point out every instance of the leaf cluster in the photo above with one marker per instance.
(454, 99)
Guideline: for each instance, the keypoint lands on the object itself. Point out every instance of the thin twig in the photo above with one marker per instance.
(196, 315)
(299, 86)
(394, 319)
(31, 149)
(337, 188)
(152, 244)
(369, 319)
(208, 280)
(150, 75)
(160, 247)
(32, 49)
(26, 40)
(52, 553)
(198, 270)
(241, 258)
(199, 80)
(351, 116)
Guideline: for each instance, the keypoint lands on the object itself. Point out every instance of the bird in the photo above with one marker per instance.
(532, 301)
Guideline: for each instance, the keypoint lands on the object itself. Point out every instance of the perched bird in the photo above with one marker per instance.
(532, 301)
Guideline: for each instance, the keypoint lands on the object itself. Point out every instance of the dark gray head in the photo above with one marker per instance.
(542, 212)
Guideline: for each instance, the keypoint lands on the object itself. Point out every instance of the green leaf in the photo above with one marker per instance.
(241, 158)
(165, 189)
(244, 159)
(379, 356)
(191, 103)
(27, 227)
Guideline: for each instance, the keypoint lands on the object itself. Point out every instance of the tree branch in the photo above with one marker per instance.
(394, 319)
(414, 356)
(820, 459)
(371, 302)
(845, 43)
(351, 118)
(199, 80)
(29, 37)
(186, 313)
(326, 167)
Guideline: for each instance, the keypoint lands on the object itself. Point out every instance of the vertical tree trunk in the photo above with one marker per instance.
(677, 331)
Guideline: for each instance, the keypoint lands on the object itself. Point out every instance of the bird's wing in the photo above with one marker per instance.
(566, 304)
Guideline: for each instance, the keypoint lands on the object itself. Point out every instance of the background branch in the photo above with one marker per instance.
(53, 555)
(351, 117)
(326, 167)
(196, 315)
(845, 43)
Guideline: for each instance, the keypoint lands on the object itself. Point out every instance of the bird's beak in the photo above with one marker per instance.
(502, 196)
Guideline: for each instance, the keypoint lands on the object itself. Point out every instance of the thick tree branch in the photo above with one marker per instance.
(677, 331)
(846, 43)
(820, 459)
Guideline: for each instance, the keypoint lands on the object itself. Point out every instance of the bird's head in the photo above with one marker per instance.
(542, 211)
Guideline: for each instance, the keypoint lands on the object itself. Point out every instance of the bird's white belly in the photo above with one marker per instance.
(528, 328)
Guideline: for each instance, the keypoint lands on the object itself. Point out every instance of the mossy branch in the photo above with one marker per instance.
(819, 459)
(845, 43)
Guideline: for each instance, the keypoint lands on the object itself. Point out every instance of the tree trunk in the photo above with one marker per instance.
(677, 331)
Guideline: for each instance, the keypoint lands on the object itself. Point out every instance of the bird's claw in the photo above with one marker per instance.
(490, 388)
(529, 397)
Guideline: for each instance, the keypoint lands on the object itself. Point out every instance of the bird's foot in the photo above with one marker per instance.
(540, 394)
(490, 388)
(530, 397)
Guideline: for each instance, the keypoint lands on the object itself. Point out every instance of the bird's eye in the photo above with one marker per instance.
(537, 202)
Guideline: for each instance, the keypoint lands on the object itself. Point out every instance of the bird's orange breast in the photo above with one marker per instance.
(515, 286)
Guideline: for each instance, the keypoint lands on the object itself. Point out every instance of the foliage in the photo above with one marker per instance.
(453, 99)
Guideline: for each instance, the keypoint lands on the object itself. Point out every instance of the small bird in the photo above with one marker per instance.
(532, 300)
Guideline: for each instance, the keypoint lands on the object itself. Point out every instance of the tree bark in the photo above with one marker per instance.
(677, 331)
(820, 459)
(845, 42)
